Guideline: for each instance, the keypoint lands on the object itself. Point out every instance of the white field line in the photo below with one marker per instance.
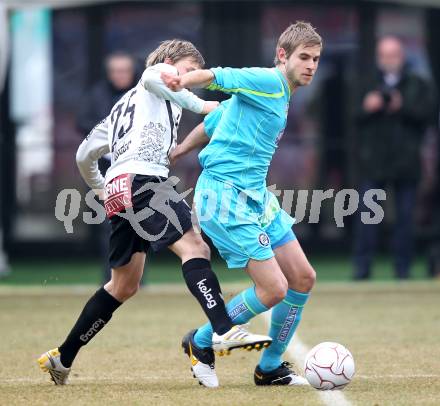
(143, 378)
(87, 379)
(297, 350)
(415, 376)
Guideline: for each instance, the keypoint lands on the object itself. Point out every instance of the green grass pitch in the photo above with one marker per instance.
(392, 329)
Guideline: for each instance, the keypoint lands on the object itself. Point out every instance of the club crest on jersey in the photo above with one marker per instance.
(264, 240)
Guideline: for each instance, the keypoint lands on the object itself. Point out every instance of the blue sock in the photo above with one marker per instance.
(286, 316)
(241, 309)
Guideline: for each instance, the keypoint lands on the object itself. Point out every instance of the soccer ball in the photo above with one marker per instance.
(329, 366)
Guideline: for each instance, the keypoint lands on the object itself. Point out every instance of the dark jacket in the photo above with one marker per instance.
(388, 145)
(95, 107)
(97, 104)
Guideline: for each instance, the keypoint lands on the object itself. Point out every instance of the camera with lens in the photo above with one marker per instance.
(386, 92)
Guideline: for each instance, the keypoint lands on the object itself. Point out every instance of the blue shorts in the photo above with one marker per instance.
(233, 222)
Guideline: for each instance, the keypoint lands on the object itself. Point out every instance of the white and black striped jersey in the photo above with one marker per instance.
(139, 132)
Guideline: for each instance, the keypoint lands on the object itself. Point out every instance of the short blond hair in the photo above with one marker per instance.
(300, 33)
(174, 49)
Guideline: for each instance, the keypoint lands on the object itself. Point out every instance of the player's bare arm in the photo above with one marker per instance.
(196, 78)
(195, 139)
(209, 106)
(151, 80)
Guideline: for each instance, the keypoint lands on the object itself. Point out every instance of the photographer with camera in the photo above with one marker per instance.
(394, 112)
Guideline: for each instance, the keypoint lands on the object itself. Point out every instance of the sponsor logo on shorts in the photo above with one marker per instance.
(237, 310)
(117, 195)
(163, 194)
(264, 240)
(92, 330)
(288, 323)
(206, 292)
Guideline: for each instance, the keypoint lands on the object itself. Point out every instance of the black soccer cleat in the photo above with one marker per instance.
(283, 375)
(202, 361)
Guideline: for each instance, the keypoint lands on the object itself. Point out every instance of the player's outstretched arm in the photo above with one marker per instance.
(90, 150)
(151, 80)
(256, 86)
(195, 139)
(196, 78)
(253, 85)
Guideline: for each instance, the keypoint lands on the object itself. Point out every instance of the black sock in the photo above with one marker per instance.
(204, 285)
(95, 315)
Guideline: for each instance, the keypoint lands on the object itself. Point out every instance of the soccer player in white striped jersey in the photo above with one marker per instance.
(145, 210)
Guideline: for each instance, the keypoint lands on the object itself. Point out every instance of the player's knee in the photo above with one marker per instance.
(205, 252)
(127, 291)
(308, 278)
(133, 289)
(200, 249)
(122, 290)
(281, 291)
(276, 292)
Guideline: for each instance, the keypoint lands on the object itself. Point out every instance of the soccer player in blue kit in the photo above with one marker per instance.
(234, 207)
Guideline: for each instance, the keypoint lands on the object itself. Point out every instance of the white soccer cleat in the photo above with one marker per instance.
(239, 337)
(202, 361)
(50, 362)
(205, 374)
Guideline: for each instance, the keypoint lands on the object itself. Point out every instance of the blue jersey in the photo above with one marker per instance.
(245, 130)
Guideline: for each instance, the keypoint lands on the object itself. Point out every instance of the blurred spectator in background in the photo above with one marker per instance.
(120, 70)
(4, 266)
(120, 77)
(434, 243)
(392, 118)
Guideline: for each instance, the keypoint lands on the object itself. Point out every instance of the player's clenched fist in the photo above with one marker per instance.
(172, 81)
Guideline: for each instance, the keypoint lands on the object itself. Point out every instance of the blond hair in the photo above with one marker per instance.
(300, 33)
(174, 49)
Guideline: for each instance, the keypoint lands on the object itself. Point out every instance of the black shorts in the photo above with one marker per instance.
(158, 218)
